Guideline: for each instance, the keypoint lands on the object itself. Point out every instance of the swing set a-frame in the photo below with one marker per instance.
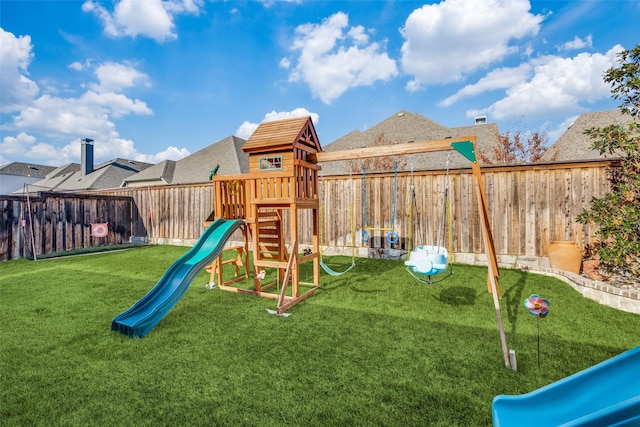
(283, 180)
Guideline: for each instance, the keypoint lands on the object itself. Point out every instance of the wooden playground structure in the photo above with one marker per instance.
(282, 180)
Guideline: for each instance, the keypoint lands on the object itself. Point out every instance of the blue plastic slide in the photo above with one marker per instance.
(149, 311)
(606, 394)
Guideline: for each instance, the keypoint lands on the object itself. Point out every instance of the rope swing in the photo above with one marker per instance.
(324, 266)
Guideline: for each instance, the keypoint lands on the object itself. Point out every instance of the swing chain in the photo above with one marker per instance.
(412, 187)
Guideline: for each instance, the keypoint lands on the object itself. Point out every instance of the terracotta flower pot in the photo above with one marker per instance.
(590, 269)
(565, 255)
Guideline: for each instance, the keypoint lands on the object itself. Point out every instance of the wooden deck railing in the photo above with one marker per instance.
(231, 197)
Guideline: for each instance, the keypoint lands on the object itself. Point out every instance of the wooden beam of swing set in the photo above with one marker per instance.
(389, 150)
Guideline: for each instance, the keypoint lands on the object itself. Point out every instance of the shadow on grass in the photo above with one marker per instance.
(457, 296)
(514, 300)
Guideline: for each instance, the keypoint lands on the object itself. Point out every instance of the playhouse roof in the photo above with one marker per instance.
(282, 135)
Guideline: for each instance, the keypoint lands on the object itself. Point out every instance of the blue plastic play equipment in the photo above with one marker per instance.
(145, 314)
(606, 394)
(333, 272)
(428, 260)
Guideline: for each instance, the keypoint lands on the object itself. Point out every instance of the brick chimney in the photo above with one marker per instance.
(86, 166)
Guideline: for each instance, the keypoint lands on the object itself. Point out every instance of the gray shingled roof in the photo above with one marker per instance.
(227, 153)
(105, 175)
(26, 169)
(405, 127)
(158, 174)
(196, 167)
(57, 176)
(575, 145)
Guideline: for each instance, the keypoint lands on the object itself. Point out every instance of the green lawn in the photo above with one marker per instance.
(371, 347)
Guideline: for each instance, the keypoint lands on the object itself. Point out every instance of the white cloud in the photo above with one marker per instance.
(27, 147)
(12, 145)
(557, 85)
(500, 78)
(117, 77)
(118, 104)
(108, 22)
(16, 89)
(76, 66)
(184, 6)
(87, 115)
(125, 148)
(577, 43)
(67, 118)
(171, 153)
(269, 3)
(447, 40)
(334, 57)
(149, 18)
(246, 129)
(285, 63)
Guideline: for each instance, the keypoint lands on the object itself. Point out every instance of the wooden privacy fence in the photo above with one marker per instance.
(171, 212)
(530, 206)
(45, 223)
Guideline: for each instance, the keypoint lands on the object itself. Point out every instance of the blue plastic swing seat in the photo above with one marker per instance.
(428, 259)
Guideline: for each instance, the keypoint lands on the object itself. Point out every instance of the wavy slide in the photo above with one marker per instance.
(145, 314)
(606, 394)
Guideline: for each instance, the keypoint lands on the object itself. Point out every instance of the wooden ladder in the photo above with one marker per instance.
(271, 245)
(270, 251)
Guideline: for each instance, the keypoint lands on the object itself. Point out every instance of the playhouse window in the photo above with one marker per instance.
(270, 163)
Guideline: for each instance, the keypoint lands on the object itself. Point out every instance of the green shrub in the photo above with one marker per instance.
(617, 213)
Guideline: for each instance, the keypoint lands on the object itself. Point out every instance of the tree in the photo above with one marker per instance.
(518, 148)
(617, 213)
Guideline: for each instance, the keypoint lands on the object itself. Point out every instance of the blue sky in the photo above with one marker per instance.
(151, 80)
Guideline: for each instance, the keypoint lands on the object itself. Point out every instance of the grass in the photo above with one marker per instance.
(371, 347)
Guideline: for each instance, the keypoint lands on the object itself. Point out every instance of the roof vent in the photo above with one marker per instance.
(480, 120)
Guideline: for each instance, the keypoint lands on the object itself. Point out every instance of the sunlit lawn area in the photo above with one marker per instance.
(371, 347)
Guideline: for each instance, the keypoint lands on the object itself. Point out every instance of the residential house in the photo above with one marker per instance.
(406, 127)
(14, 176)
(196, 168)
(574, 145)
(86, 176)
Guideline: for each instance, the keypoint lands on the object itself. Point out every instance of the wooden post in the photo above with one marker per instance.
(489, 245)
(253, 219)
(492, 263)
(295, 279)
(316, 245)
